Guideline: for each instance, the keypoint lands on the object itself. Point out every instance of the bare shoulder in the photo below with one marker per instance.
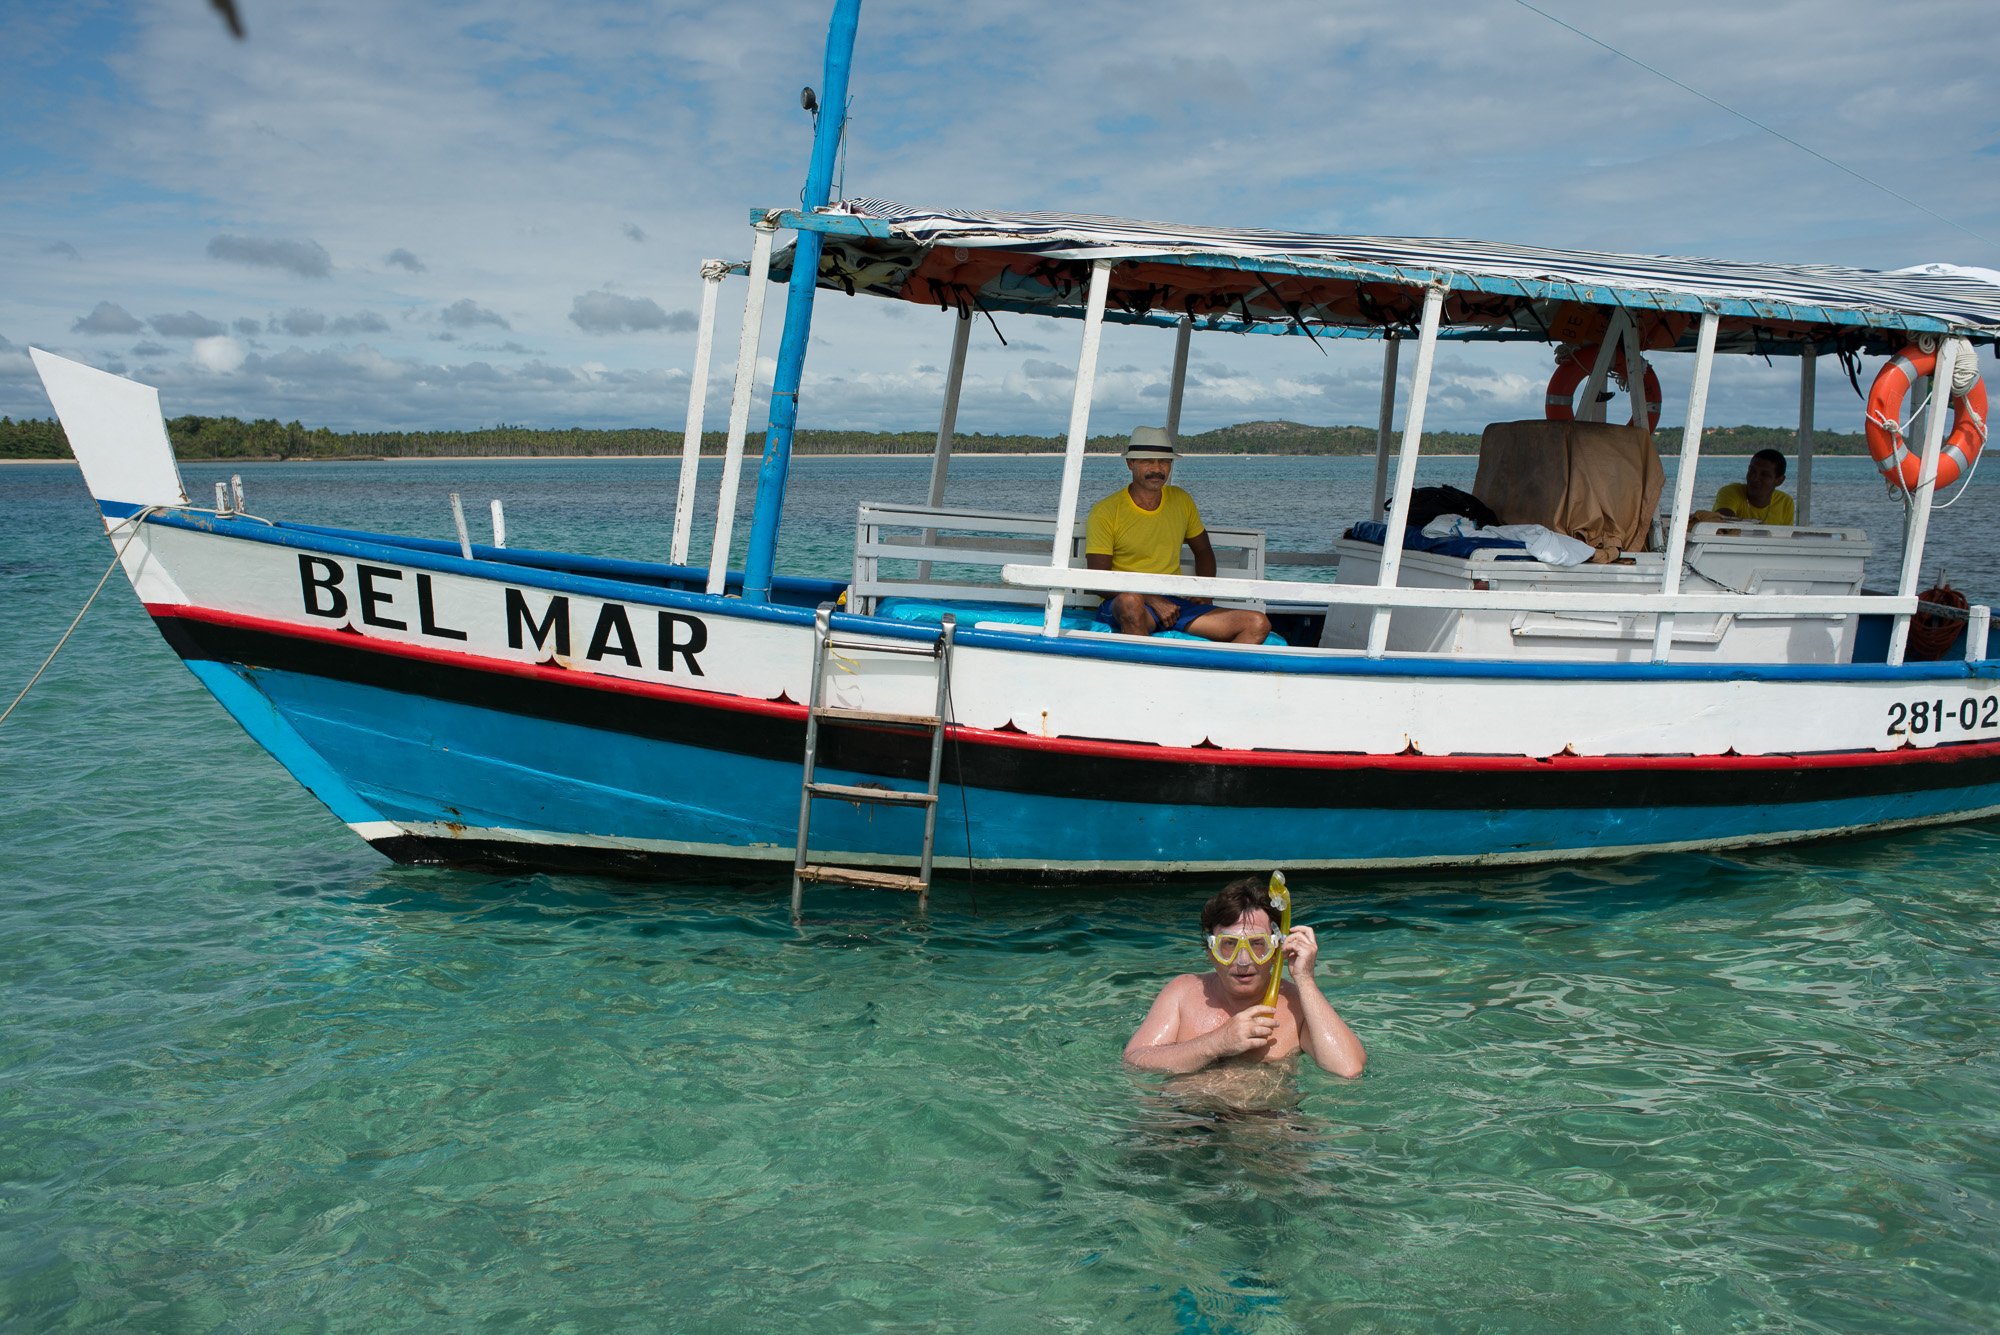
(1185, 989)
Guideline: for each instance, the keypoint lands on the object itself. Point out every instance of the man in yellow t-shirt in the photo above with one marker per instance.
(1142, 527)
(1757, 498)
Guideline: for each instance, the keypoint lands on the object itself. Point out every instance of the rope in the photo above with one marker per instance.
(1964, 375)
(134, 521)
(964, 811)
(1931, 634)
(1964, 367)
(1966, 481)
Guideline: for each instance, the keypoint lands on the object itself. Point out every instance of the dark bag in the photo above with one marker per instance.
(1427, 503)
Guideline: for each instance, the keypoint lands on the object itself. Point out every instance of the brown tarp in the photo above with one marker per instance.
(1589, 480)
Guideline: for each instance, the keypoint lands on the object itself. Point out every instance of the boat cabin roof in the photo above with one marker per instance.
(1298, 283)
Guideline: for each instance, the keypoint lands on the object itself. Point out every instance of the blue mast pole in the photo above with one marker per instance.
(784, 418)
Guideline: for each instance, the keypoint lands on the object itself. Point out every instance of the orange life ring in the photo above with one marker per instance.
(1576, 369)
(1885, 430)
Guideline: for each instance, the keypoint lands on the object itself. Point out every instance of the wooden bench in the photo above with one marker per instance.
(990, 538)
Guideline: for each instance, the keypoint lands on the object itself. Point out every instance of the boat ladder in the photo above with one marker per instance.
(818, 714)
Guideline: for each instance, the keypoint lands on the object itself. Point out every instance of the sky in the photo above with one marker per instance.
(397, 216)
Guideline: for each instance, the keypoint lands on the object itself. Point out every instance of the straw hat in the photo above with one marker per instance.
(1150, 442)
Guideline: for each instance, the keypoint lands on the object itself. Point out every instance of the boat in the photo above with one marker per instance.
(950, 706)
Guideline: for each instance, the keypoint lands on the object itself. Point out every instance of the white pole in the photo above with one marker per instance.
(1607, 348)
(1177, 385)
(499, 523)
(1079, 432)
(1920, 425)
(1385, 423)
(1808, 376)
(1677, 528)
(1920, 521)
(739, 406)
(1635, 378)
(712, 272)
(1406, 465)
(458, 518)
(1977, 622)
(961, 337)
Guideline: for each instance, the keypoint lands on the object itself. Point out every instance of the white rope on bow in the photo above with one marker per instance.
(134, 520)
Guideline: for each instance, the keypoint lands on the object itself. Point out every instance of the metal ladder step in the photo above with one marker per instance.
(810, 790)
(853, 792)
(863, 879)
(906, 647)
(837, 715)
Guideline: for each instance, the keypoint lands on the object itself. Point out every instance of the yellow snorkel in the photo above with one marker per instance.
(1281, 899)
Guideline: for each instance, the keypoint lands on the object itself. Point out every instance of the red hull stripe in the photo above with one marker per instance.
(1949, 753)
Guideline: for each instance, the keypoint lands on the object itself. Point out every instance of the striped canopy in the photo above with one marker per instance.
(1253, 280)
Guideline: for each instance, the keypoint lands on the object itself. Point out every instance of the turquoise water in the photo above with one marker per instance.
(252, 1077)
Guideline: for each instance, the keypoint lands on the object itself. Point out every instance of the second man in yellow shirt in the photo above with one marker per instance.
(1142, 527)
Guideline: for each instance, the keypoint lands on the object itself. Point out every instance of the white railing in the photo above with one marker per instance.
(1633, 602)
(987, 538)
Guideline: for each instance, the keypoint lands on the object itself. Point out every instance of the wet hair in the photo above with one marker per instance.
(1234, 900)
(1773, 458)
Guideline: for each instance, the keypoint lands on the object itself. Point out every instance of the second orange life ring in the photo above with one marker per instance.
(1885, 427)
(1575, 369)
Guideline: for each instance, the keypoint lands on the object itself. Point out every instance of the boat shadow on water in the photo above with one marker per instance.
(972, 915)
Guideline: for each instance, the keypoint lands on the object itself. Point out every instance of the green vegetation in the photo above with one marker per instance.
(230, 438)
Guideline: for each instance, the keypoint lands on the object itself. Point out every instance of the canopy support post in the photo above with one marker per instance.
(954, 379)
(831, 122)
(1406, 466)
(739, 404)
(1677, 528)
(1385, 423)
(1607, 348)
(1635, 378)
(1079, 433)
(704, 344)
(1920, 518)
(1177, 385)
(1808, 375)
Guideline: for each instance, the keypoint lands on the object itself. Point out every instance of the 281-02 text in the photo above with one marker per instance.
(1973, 714)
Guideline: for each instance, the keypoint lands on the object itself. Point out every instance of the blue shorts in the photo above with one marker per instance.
(1186, 613)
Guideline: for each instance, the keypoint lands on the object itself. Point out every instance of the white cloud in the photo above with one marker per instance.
(609, 313)
(107, 319)
(466, 313)
(403, 259)
(188, 324)
(307, 259)
(220, 353)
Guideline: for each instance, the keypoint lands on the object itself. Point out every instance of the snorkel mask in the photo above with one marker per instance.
(1260, 946)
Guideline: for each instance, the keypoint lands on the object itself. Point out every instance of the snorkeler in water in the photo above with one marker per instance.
(1221, 1018)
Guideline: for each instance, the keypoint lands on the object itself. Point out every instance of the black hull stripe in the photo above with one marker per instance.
(1168, 780)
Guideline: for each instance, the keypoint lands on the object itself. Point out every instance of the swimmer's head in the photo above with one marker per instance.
(1242, 917)
(1236, 899)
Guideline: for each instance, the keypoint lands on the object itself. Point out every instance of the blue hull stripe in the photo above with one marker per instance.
(261, 717)
(419, 761)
